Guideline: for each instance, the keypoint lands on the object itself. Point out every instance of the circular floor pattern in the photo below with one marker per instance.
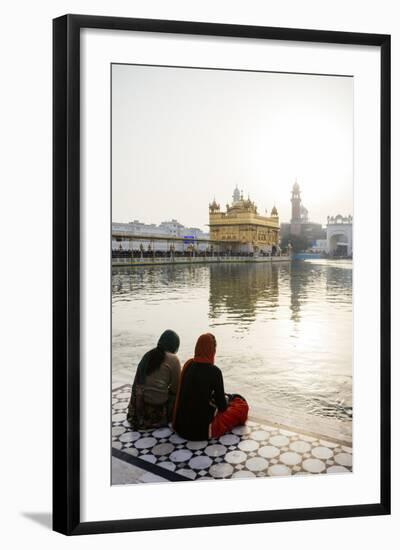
(279, 440)
(200, 462)
(300, 446)
(162, 432)
(241, 430)
(130, 436)
(182, 455)
(344, 459)
(177, 439)
(330, 444)
(248, 445)
(126, 423)
(257, 464)
(279, 470)
(260, 435)
(313, 465)
(253, 450)
(290, 458)
(145, 442)
(215, 450)
(229, 439)
(221, 470)
(196, 445)
(235, 457)
(322, 452)
(120, 405)
(119, 417)
(163, 449)
(243, 474)
(117, 430)
(269, 451)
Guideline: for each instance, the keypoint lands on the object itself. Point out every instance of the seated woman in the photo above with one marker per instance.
(202, 410)
(155, 385)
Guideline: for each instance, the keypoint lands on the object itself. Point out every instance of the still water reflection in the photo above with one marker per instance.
(284, 331)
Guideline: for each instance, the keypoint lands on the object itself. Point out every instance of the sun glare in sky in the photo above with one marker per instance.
(181, 137)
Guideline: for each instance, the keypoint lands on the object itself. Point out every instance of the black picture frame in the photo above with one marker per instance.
(66, 273)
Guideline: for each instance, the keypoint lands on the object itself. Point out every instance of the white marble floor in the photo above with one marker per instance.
(125, 473)
(254, 450)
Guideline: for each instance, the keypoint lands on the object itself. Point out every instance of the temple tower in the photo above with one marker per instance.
(295, 222)
(296, 203)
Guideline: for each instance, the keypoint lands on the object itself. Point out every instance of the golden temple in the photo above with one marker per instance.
(242, 229)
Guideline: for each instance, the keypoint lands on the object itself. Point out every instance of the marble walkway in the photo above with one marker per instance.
(254, 450)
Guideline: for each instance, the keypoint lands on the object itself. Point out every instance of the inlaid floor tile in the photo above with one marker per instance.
(252, 451)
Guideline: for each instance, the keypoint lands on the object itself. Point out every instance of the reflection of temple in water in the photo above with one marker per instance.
(339, 281)
(240, 289)
(125, 279)
(298, 285)
(335, 282)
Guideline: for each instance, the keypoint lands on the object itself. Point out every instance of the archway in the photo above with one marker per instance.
(339, 244)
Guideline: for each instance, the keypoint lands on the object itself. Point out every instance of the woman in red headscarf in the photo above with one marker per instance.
(202, 409)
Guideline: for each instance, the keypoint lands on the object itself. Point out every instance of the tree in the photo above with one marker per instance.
(299, 242)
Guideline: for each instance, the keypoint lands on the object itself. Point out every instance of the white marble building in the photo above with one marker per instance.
(339, 235)
(128, 236)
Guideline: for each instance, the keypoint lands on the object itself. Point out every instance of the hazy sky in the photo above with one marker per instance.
(182, 136)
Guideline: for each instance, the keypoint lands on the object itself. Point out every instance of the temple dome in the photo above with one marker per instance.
(236, 195)
(214, 205)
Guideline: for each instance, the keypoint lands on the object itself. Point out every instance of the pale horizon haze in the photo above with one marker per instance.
(182, 136)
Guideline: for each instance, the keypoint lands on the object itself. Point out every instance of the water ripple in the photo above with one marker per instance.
(284, 332)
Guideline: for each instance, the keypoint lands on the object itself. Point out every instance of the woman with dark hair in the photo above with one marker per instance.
(155, 385)
(202, 409)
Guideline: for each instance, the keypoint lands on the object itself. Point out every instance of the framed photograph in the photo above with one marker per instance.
(221, 274)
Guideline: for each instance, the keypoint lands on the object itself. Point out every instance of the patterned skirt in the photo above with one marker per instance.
(144, 416)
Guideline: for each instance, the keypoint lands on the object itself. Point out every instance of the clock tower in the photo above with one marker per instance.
(295, 222)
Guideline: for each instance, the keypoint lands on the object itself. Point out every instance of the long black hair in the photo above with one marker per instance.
(169, 341)
(155, 358)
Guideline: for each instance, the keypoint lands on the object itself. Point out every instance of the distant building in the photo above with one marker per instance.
(165, 229)
(241, 228)
(300, 225)
(320, 245)
(339, 235)
(129, 236)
